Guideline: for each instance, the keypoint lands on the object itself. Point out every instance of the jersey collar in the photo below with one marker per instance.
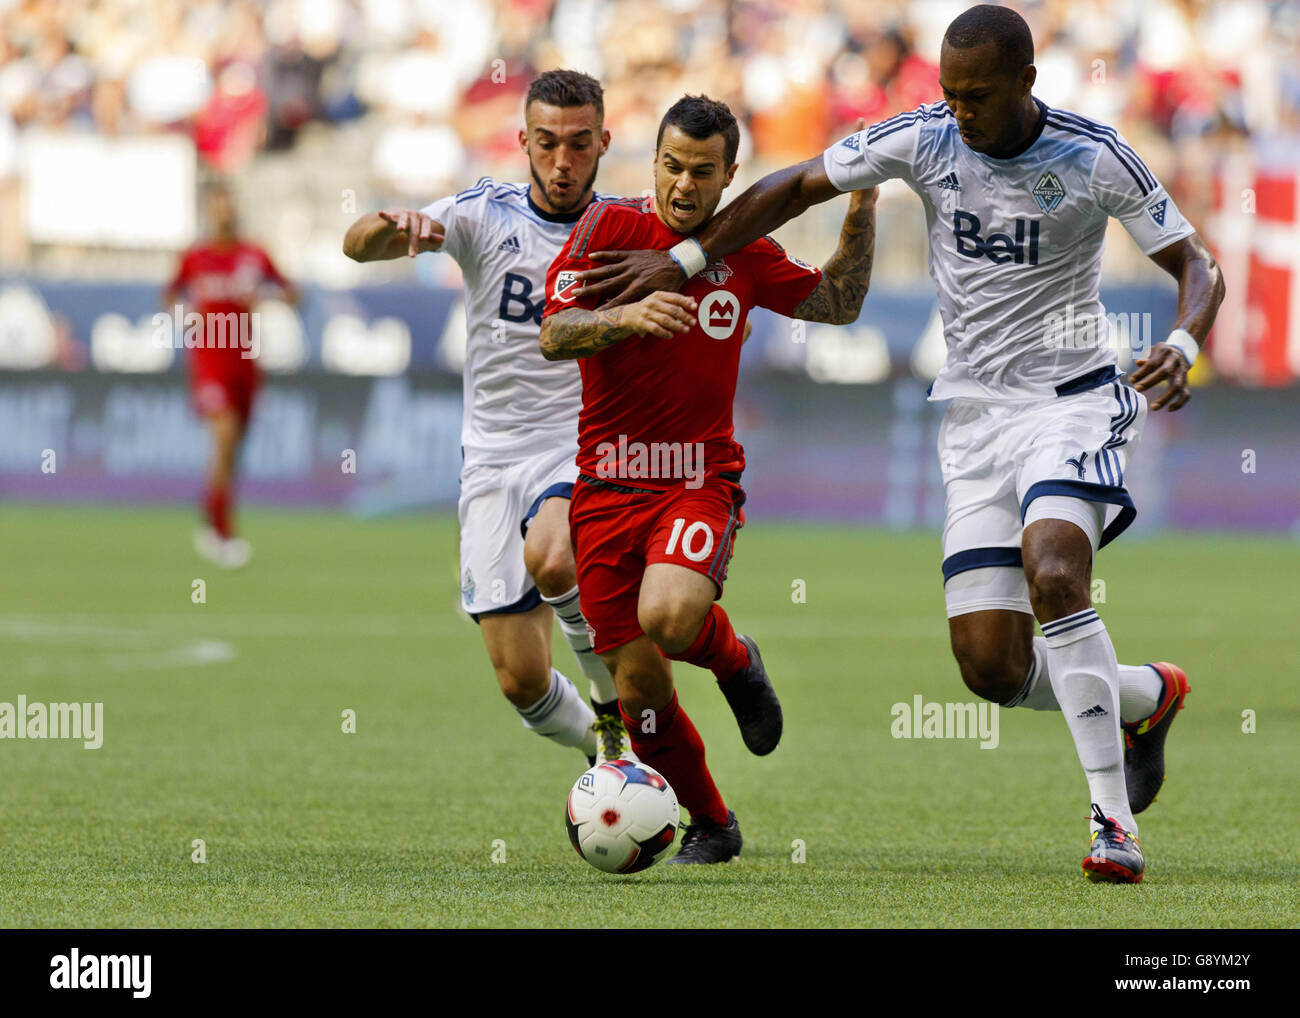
(556, 217)
(1028, 142)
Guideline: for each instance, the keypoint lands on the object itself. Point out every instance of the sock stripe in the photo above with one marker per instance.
(1069, 629)
(1070, 622)
(1019, 698)
(566, 606)
(547, 703)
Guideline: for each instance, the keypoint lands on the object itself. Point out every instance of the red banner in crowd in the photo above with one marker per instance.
(1256, 238)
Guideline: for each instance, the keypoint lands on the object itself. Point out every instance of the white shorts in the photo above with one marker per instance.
(496, 504)
(997, 458)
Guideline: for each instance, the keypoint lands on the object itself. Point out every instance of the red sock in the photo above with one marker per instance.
(676, 751)
(716, 648)
(216, 503)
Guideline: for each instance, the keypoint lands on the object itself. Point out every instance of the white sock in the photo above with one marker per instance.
(1140, 688)
(1084, 675)
(562, 716)
(574, 628)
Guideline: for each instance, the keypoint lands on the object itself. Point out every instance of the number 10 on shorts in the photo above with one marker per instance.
(690, 540)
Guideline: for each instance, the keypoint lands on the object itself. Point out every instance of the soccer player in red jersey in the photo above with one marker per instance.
(221, 278)
(655, 513)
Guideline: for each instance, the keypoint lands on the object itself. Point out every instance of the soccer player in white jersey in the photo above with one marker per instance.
(1040, 428)
(520, 429)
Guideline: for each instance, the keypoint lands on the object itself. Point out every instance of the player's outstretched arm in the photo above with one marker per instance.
(772, 202)
(391, 233)
(577, 332)
(1200, 292)
(846, 277)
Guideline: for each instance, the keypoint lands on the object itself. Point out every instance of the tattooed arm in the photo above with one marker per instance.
(577, 332)
(846, 277)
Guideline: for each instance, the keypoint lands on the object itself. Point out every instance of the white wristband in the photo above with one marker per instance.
(1182, 341)
(689, 254)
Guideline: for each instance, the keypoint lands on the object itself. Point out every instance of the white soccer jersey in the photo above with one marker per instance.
(1015, 244)
(517, 403)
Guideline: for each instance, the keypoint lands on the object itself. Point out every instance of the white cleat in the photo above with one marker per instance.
(230, 553)
(208, 544)
(236, 552)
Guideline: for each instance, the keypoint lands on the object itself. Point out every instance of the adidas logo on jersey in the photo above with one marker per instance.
(510, 244)
(1095, 711)
(950, 182)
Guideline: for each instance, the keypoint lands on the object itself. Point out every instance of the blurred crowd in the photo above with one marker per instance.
(431, 90)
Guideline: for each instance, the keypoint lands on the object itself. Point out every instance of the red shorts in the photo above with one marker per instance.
(618, 531)
(217, 388)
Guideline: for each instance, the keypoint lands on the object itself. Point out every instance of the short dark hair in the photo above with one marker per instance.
(567, 88)
(999, 25)
(699, 117)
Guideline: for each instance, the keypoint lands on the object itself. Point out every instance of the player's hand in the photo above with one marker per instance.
(424, 231)
(661, 315)
(1163, 364)
(629, 276)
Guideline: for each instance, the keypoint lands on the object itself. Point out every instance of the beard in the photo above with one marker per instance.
(567, 206)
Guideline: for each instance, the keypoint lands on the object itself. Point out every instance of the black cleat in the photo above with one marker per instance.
(1144, 741)
(706, 841)
(754, 702)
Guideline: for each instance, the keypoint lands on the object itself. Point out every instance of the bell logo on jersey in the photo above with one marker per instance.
(718, 314)
(515, 303)
(566, 286)
(999, 248)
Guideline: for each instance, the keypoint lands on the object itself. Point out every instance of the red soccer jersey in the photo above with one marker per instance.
(645, 400)
(220, 281)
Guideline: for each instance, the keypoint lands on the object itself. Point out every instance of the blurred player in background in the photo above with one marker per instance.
(519, 436)
(1034, 446)
(654, 533)
(221, 278)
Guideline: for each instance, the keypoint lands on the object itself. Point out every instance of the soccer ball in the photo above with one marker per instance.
(622, 816)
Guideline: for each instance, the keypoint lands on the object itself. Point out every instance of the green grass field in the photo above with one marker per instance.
(223, 722)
